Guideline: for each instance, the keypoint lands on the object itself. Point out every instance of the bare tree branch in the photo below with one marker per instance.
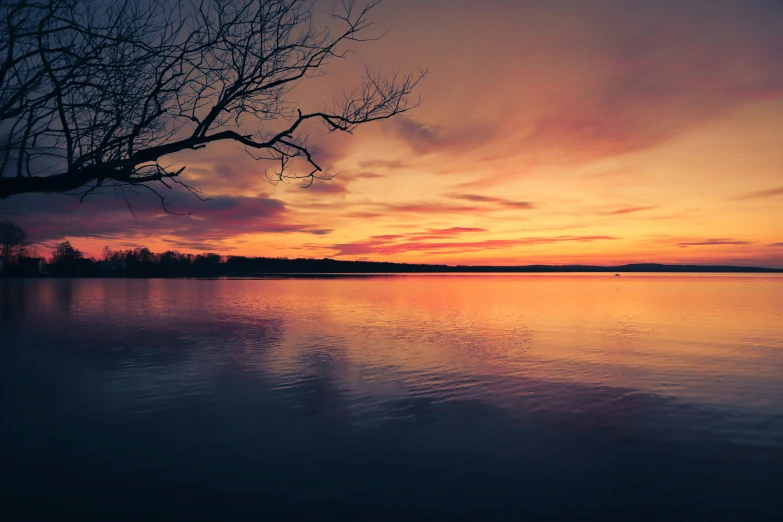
(100, 93)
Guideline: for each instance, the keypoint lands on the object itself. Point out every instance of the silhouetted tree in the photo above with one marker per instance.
(101, 93)
(66, 254)
(207, 264)
(13, 241)
(145, 256)
(141, 262)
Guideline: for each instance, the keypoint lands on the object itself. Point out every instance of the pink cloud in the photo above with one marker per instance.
(385, 246)
(51, 218)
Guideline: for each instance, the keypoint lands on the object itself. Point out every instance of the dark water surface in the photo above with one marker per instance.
(504, 397)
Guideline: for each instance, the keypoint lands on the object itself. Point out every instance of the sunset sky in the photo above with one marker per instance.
(551, 131)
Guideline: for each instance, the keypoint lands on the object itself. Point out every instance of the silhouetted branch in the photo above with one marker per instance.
(98, 93)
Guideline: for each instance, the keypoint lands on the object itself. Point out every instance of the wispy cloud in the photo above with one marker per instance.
(433, 208)
(495, 201)
(385, 164)
(400, 244)
(760, 194)
(320, 187)
(480, 205)
(366, 175)
(453, 231)
(627, 210)
(365, 215)
(714, 242)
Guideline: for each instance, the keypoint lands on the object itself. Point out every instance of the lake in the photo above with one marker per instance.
(413, 397)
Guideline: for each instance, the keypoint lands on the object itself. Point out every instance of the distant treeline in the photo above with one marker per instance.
(67, 261)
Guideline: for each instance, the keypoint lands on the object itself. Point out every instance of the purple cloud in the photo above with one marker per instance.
(51, 218)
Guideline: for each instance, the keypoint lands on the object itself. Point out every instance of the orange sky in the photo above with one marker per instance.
(552, 131)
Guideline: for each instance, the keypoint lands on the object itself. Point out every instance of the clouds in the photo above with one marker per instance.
(500, 203)
(385, 164)
(421, 137)
(627, 209)
(568, 82)
(212, 222)
(440, 208)
(427, 138)
(761, 194)
(713, 242)
(331, 187)
(614, 129)
(465, 204)
(367, 175)
(437, 243)
(450, 204)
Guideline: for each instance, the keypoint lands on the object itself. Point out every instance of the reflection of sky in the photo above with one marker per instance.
(552, 132)
(505, 394)
(709, 339)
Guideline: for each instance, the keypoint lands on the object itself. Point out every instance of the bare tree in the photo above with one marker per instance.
(106, 253)
(102, 93)
(13, 241)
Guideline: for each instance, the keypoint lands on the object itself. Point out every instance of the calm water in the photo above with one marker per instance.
(399, 398)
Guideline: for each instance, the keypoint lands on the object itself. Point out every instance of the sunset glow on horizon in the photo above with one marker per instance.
(551, 132)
